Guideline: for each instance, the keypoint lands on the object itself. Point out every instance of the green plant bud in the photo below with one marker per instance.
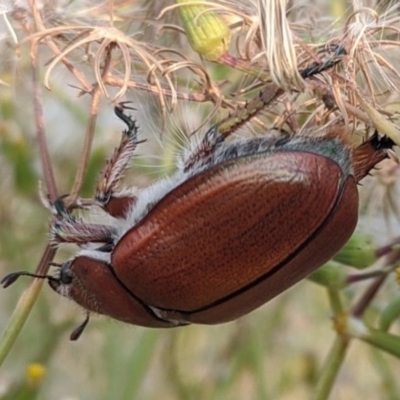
(330, 275)
(358, 252)
(207, 32)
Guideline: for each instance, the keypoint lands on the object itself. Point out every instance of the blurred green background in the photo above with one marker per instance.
(273, 353)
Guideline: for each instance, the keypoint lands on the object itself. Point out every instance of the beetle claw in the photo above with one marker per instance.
(77, 332)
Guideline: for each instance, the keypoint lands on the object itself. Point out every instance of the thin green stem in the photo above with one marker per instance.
(331, 368)
(23, 309)
(335, 301)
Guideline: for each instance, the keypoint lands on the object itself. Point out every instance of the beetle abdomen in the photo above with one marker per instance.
(222, 233)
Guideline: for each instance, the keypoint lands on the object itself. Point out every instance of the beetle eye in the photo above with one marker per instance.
(66, 274)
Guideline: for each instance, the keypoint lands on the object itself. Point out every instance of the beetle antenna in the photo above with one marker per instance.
(55, 264)
(11, 278)
(77, 332)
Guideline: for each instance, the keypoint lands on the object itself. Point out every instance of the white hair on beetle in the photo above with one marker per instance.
(95, 255)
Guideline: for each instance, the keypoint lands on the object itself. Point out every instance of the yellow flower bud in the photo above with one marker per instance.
(35, 373)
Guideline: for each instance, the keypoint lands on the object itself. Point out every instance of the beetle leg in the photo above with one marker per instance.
(115, 202)
(77, 332)
(69, 228)
(68, 231)
(210, 142)
(333, 52)
(217, 134)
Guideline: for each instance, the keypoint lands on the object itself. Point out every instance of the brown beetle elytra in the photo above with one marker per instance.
(234, 227)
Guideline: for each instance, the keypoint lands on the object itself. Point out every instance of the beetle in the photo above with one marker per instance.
(238, 223)
(225, 234)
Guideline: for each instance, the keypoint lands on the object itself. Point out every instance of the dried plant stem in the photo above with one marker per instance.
(371, 291)
(368, 296)
(87, 146)
(40, 130)
(50, 42)
(30, 295)
(94, 108)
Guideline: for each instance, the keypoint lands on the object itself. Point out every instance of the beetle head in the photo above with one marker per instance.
(92, 284)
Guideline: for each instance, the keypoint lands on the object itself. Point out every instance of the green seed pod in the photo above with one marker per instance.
(330, 275)
(358, 252)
